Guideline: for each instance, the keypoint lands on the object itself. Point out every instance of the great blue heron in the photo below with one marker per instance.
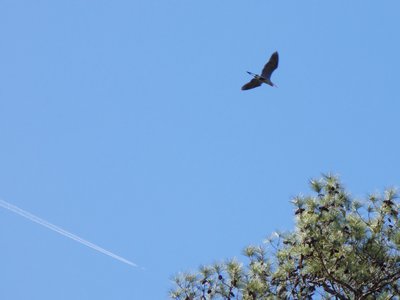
(265, 77)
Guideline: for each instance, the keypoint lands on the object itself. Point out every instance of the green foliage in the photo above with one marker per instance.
(341, 248)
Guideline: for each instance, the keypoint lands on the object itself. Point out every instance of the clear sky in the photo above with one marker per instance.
(123, 122)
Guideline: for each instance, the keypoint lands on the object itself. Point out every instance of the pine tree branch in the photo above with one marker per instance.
(328, 273)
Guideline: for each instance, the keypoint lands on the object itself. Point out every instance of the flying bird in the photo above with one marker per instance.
(265, 77)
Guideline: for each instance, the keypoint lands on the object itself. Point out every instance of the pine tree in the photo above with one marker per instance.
(341, 248)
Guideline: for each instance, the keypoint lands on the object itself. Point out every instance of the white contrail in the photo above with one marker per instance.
(61, 231)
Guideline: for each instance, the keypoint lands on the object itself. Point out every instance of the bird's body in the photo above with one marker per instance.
(265, 76)
(262, 79)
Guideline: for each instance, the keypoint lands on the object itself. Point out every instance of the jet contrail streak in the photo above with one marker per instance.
(61, 231)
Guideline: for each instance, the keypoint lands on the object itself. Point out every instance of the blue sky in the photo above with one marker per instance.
(124, 123)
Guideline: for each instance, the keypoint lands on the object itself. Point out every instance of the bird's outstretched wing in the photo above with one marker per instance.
(251, 84)
(270, 66)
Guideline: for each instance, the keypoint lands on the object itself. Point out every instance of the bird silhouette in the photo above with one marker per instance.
(265, 77)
